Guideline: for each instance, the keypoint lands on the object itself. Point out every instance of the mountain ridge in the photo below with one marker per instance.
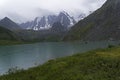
(9, 24)
(103, 24)
(46, 22)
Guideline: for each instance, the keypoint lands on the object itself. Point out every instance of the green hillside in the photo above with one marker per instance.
(8, 37)
(6, 34)
(103, 24)
(102, 64)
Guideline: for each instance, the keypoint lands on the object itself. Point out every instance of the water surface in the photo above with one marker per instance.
(30, 55)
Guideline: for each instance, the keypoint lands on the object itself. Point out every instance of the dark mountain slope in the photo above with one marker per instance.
(103, 24)
(9, 24)
(6, 34)
(58, 27)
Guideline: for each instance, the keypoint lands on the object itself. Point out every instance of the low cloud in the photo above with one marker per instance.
(24, 10)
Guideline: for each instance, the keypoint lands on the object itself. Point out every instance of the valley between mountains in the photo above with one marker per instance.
(62, 35)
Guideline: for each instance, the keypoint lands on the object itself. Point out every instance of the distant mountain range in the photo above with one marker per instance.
(103, 24)
(42, 23)
(52, 27)
(46, 22)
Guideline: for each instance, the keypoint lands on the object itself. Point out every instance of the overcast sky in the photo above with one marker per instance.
(23, 10)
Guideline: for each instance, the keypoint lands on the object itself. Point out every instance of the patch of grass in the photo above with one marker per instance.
(101, 64)
(110, 46)
(13, 42)
(10, 42)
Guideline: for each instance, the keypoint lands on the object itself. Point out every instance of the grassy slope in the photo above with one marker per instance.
(10, 42)
(100, 25)
(7, 37)
(94, 65)
(6, 34)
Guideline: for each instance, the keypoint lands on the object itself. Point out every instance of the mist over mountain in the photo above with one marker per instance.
(26, 10)
(103, 24)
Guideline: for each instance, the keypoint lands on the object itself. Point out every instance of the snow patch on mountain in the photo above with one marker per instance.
(46, 22)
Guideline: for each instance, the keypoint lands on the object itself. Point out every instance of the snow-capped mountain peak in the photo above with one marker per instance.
(46, 22)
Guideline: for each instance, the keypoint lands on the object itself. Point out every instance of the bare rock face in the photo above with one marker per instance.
(46, 22)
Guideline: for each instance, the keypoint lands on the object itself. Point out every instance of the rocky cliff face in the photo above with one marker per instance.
(46, 22)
